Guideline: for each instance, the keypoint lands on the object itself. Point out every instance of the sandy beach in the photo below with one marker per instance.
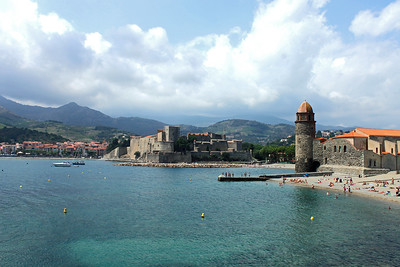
(381, 187)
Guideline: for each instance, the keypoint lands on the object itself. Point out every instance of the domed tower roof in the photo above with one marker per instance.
(305, 107)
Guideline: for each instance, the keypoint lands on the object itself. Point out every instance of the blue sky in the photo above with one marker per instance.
(218, 58)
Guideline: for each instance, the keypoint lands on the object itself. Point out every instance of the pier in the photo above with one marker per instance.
(265, 177)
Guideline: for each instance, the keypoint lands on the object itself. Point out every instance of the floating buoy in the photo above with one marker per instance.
(65, 210)
(312, 218)
(202, 215)
(105, 178)
(49, 180)
(327, 193)
(20, 186)
(190, 179)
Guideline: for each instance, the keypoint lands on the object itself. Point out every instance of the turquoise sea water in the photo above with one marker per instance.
(138, 216)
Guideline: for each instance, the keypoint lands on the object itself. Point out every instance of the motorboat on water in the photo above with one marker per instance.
(62, 164)
(81, 162)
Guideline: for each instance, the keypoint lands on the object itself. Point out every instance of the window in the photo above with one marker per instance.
(374, 163)
(340, 148)
(344, 149)
(324, 147)
(334, 149)
(326, 160)
(391, 151)
(376, 149)
(370, 163)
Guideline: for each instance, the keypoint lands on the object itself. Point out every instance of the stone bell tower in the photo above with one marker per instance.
(305, 135)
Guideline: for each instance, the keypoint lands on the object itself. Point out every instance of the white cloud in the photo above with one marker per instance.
(375, 24)
(52, 23)
(96, 42)
(289, 54)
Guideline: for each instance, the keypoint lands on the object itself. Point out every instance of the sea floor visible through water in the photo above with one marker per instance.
(141, 216)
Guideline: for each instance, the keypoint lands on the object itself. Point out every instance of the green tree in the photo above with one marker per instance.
(182, 144)
(112, 145)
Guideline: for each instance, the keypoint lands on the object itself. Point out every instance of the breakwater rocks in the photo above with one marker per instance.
(205, 165)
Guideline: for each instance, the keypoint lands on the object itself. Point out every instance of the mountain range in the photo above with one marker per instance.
(76, 122)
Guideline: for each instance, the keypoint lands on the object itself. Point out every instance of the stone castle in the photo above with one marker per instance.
(160, 148)
(362, 151)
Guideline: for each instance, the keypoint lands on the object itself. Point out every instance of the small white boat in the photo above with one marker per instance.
(78, 162)
(62, 164)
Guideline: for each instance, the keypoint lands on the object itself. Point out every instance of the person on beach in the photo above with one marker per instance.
(344, 188)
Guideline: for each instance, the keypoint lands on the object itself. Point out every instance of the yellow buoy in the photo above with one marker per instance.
(20, 186)
(312, 218)
(49, 180)
(202, 215)
(190, 179)
(65, 210)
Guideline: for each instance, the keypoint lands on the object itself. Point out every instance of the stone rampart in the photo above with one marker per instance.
(116, 153)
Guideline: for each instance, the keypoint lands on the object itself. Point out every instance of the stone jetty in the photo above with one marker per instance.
(223, 178)
(192, 165)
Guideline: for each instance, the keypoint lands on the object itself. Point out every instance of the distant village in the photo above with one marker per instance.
(65, 149)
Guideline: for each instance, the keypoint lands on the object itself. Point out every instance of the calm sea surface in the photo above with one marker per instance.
(138, 216)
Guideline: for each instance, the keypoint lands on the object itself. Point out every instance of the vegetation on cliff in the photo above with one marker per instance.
(18, 135)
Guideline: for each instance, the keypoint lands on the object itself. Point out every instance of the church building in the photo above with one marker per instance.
(362, 151)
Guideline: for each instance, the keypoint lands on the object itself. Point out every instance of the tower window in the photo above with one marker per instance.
(391, 150)
(344, 149)
(324, 147)
(334, 149)
(376, 149)
(340, 148)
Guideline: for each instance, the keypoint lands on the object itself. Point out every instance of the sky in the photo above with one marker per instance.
(165, 59)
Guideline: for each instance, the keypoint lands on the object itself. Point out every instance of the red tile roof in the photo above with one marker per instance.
(379, 132)
(351, 135)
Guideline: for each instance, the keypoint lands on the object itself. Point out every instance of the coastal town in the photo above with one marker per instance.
(58, 149)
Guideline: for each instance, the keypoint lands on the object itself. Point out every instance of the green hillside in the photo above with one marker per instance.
(73, 133)
(251, 131)
(18, 135)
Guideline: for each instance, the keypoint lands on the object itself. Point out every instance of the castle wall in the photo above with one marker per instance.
(372, 160)
(374, 145)
(171, 133)
(163, 147)
(360, 143)
(168, 157)
(116, 153)
(219, 145)
(235, 145)
(389, 161)
(390, 146)
(340, 152)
